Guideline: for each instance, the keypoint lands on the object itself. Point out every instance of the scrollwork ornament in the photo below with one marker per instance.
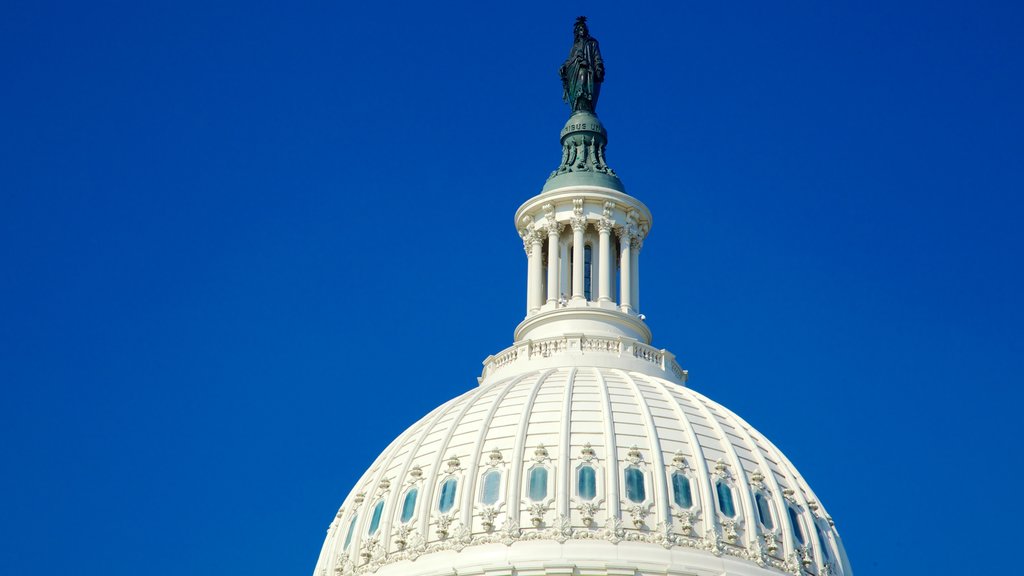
(587, 512)
(624, 233)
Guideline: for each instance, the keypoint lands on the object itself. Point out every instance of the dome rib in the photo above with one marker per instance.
(563, 491)
(773, 484)
(474, 466)
(611, 447)
(661, 502)
(435, 471)
(425, 430)
(700, 459)
(513, 498)
(370, 493)
(798, 494)
(734, 461)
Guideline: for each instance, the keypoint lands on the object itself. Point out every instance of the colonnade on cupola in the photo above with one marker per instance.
(583, 249)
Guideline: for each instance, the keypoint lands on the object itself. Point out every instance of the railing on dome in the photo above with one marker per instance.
(547, 347)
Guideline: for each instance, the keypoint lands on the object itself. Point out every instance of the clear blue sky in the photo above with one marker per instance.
(245, 244)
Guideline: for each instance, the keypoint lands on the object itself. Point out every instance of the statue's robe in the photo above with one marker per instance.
(582, 74)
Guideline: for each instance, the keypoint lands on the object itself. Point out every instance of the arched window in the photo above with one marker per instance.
(725, 503)
(375, 519)
(764, 512)
(823, 542)
(586, 482)
(490, 486)
(588, 265)
(351, 530)
(635, 490)
(538, 483)
(447, 499)
(798, 530)
(409, 504)
(681, 493)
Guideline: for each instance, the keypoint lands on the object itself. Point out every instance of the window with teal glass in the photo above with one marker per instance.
(538, 484)
(409, 504)
(764, 513)
(375, 519)
(447, 498)
(351, 530)
(490, 486)
(823, 542)
(586, 483)
(635, 490)
(794, 520)
(725, 503)
(681, 493)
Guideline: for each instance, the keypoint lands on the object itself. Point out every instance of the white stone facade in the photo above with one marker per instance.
(560, 419)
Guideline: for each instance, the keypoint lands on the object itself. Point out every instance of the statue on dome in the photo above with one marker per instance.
(583, 71)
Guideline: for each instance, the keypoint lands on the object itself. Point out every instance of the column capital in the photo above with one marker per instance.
(578, 223)
(605, 225)
(625, 232)
(554, 228)
(530, 237)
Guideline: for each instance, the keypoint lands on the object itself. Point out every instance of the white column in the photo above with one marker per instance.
(563, 269)
(528, 248)
(604, 226)
(635, 243)
(553, 230)
(625, 269)
(535, 279)
(579, 223)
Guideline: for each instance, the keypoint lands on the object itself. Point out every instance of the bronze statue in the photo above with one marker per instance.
(583, 71)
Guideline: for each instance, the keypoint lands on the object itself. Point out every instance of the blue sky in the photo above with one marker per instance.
(246, 244)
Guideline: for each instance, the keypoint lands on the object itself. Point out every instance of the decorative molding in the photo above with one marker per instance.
(605, 225)
(578, 223)
(587, 454)
(457, 537)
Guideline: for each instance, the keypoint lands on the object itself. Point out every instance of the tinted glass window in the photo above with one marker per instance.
(447, 499)
(798, 531)
(635, 490)
(681, 490)
(491, 484)
(823, 542)
(587, 483)
(538, 484)
(351, 530)
(763, 511)
(409, 504)
(725, 503)
(375, 519)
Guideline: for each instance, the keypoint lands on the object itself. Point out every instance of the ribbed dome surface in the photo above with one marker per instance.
(652, 447)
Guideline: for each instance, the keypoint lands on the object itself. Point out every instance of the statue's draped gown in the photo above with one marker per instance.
(582, 74)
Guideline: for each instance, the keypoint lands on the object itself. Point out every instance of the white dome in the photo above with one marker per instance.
(615, 422)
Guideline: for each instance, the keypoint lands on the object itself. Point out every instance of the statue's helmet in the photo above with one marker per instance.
(581, 26)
